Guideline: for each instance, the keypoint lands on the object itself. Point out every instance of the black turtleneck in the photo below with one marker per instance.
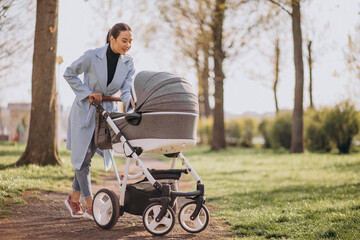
(112, 60)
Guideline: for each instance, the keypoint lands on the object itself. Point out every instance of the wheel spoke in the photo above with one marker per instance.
(153, 225)
(104, 218)
(198, 222)
(186, 217)
(156, 210)
(99, 203)
(166, 221)
(107, 205)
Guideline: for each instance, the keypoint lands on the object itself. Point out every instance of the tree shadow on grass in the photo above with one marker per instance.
(293, 194)
(11, 153)
(6, 166)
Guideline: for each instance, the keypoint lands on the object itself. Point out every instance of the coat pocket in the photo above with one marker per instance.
(83, 105)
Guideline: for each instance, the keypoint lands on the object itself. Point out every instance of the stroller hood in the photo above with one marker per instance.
(163, 92)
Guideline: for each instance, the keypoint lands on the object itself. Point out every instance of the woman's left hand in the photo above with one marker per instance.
(132, 103)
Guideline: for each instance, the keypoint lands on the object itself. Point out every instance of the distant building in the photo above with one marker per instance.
(15, 122)
(19, 121)
(4, 123)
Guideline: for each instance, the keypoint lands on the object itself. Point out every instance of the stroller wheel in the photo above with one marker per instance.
(106, 209)
(196, 225)
(158, 228)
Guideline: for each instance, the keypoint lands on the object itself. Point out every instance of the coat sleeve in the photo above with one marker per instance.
(78, 67)
(125, 88)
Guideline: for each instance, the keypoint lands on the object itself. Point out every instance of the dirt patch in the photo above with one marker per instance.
(44, 216)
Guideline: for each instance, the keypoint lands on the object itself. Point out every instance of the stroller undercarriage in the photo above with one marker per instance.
(158, 215)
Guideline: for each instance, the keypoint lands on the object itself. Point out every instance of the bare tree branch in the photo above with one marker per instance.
(283, 8)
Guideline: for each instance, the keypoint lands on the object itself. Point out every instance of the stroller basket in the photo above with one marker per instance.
(143, 190)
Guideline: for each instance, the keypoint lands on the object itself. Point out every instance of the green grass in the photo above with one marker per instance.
(267, 195)
(16, 180)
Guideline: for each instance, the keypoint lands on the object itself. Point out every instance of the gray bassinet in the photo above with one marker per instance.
(165, 117)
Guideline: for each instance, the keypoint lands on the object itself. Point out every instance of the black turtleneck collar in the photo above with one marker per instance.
(111, 54)
(112, 60)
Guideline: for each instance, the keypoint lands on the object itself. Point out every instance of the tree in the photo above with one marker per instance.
(297, 127)
(190, 25)
(276, 70)
(218, 138)
(15, 20)
(310, 63)
(41, 147)
(352, 53)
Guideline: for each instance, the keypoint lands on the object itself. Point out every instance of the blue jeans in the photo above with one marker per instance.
(82, 179)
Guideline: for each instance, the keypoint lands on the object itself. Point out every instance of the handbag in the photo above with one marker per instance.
(102, 132)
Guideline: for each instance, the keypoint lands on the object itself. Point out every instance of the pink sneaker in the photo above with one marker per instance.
(88, 214)
(74, 208)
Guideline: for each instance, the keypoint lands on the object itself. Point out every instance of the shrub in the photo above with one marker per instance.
(204, 130)
(264, 130)
(280, 133)
(316, 138)
(249, 132)
(342, 124)
(233, 131)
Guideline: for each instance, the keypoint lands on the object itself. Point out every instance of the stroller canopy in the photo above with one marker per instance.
(163, 92)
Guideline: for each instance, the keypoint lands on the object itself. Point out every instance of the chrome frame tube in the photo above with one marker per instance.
(189, 167)
(124, 182)
(173, 163)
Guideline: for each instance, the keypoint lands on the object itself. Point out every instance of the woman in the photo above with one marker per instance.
(107, 70)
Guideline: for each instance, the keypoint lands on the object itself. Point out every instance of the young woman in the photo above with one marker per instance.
(106, 70)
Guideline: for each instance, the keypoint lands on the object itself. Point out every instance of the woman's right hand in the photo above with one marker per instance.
(97, 97)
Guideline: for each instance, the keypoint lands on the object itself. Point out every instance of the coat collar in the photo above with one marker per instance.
(101, 70)
(101, 53)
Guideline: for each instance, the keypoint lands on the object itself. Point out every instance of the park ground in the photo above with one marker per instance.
(251, 194)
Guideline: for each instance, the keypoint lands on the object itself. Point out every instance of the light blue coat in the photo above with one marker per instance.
(81, 124)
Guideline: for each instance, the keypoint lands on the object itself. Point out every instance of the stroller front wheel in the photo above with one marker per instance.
(164, 226)
(199, 223)
(106, 209)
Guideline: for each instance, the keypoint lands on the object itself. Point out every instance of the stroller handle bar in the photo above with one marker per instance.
(111, 99)
(105, 99)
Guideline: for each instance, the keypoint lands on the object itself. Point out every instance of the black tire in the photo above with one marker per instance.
(190, 225)
(104, 217)
(149, 216)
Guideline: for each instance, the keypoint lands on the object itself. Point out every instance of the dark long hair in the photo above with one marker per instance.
(116, 29)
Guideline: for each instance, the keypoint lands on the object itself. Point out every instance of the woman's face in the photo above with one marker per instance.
(122, 43)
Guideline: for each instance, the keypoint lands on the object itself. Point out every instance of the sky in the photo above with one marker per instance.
(78, 32)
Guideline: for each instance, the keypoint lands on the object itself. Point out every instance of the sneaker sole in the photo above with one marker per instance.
(70, 210)
(88, 216)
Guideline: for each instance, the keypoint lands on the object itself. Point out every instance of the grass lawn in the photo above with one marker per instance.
(260, 193)
(267, 195)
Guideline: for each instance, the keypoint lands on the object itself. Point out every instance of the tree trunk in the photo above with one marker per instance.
(200, 87)
(310, 62)
(218, 135)
(297, 145)
(276, 81)
(205, 79)
(41, 147)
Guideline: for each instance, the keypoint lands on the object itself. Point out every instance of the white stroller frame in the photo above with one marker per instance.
(158, 217)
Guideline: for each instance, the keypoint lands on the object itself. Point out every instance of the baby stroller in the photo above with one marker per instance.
(164, 122)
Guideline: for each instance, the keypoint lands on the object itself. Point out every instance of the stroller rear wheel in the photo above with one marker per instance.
(106, 209)
(164, 226)
(199, 223)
